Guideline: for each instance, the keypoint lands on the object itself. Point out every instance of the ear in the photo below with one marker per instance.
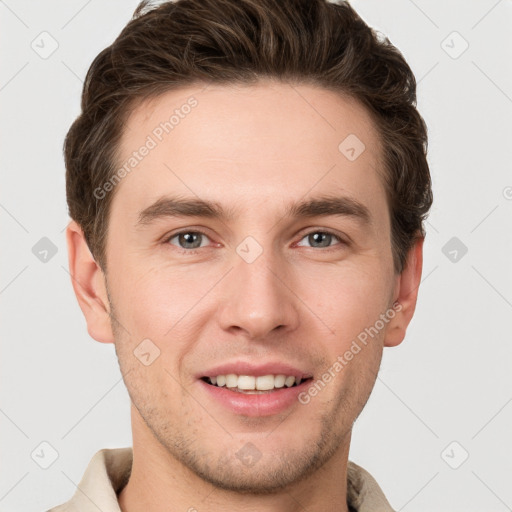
(405, 294)
(88, 282)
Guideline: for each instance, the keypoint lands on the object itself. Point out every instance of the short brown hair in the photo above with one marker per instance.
(188, 42)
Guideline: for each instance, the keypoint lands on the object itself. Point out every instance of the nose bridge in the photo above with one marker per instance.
(258, 299)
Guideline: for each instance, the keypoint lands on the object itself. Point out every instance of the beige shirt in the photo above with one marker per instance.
(109, 470)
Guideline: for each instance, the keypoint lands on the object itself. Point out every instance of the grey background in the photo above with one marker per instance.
(449, 381)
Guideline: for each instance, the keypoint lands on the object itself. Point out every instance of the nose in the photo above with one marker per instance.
(258, 299)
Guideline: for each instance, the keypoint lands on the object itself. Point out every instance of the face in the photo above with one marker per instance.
(280, 275)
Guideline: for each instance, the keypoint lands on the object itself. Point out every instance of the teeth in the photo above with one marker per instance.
(246, 382)
(279, 381)
(251, 383)
(290, 381)
(263, 383)
(231, 380)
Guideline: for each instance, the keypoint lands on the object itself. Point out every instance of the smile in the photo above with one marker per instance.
(253, 384)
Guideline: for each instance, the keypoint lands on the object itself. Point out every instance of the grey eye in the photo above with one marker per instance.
(321, 238)
(188, 239)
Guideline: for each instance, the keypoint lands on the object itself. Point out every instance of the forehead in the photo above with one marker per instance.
(249, 144)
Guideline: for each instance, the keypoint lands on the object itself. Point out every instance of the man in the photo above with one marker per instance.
(248, 184)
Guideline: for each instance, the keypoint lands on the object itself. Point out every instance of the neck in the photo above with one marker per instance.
(159, 482)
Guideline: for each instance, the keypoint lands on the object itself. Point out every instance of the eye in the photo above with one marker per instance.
(189, 241)
(322, 238)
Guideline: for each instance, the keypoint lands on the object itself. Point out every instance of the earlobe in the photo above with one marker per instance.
(406, 295)
(88, 282)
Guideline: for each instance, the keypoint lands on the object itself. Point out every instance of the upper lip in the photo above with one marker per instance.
(257, 370)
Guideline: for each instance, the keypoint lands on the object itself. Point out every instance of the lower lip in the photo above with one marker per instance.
(262, 404)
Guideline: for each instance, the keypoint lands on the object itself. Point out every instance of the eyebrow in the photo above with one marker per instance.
(314, 207)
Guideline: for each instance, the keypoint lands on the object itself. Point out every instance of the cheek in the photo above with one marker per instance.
(159, 300)
(159, 303)
(349, 299)
(165, 305)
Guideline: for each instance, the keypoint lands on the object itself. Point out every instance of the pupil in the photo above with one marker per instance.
(186, 236)
(315, 237)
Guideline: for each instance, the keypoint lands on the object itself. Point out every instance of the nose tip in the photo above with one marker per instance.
(258, 302)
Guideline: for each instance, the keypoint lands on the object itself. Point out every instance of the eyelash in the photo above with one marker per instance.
(195, 251)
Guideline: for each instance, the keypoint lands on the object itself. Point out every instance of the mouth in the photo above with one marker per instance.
(255, 385)
(255, 389)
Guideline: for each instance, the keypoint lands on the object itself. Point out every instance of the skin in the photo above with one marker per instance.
(254, 148)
